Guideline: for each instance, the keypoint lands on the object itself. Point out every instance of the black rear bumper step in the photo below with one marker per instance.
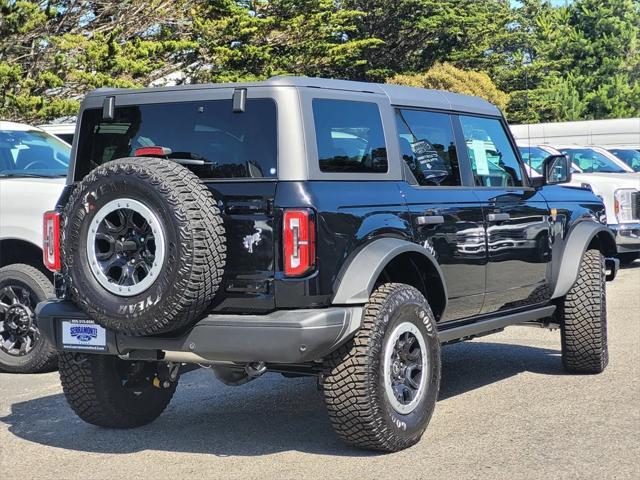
(284, 336)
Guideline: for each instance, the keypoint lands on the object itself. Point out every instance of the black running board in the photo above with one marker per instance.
(473, 328)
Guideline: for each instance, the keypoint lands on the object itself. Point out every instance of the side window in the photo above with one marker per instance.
(493, 161)
(349, 136)
(428, 147)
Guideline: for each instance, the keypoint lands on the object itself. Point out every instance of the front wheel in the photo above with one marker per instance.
(583, 318)
(381, 387)
(109, 392)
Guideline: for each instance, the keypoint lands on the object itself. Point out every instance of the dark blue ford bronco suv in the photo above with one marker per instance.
(316, 227)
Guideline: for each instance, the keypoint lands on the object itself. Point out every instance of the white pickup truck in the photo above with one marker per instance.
(33, 167)
(609, 178)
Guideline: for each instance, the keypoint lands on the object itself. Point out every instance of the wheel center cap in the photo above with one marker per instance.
(18, 319)
(396, 368)
(127, 246)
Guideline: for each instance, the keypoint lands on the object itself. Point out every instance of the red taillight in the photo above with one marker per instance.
(299, 233)
(51, 241)
(152, 152)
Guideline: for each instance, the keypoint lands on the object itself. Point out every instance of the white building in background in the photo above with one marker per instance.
(605, 133)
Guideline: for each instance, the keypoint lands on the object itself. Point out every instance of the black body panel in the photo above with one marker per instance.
(349, 215)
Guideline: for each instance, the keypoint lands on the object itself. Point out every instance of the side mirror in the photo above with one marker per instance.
(557, 169)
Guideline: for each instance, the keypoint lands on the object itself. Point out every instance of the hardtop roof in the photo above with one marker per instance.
(397, 94)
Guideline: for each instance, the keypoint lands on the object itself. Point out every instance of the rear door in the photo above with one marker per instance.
(516, 218)
(233, 152)
(446, 217)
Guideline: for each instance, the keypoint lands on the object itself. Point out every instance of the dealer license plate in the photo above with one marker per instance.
(83, 335)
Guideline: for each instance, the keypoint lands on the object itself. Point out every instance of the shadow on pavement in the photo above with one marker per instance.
(270, 415)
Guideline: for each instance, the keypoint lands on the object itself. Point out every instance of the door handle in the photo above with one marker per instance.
(498, 217)
(429, 219)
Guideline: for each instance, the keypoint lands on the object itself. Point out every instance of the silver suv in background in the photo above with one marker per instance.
(610, 179)
(33, 167)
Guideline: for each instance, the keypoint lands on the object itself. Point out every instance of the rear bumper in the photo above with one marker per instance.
(627, 237)
(285, 336)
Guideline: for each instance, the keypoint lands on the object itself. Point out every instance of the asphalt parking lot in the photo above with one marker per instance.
(506, 410)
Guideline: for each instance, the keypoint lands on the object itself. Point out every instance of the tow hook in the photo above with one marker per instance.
(166, 375)
(255, 369)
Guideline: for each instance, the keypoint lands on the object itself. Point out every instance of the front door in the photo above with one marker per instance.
(447, 218)
(516, 218)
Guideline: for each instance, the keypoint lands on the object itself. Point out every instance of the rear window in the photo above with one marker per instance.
(349, 136)
(207, 137)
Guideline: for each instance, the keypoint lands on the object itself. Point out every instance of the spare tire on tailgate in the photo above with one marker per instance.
(143, 246)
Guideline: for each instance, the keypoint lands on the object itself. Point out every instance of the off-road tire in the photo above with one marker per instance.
(95, 392)
(195, 250)
(43, 356)
(583, 318)
(353, 378)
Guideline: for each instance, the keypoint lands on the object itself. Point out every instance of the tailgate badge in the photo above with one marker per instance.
(251, 241)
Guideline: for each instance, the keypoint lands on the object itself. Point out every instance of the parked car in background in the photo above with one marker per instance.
(594, 159)
(63, 129)
(616, 186)
(33, 167)
(629, 155)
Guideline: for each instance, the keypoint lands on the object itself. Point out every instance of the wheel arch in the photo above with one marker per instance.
(582, 237)
(16, 250)
(391, 260)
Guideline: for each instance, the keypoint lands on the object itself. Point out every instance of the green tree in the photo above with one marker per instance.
(256, 39)
(583, 62)
(418, 33)
(52, 53)
(444, 76)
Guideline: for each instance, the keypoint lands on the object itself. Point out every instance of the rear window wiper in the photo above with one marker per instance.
(188, 158)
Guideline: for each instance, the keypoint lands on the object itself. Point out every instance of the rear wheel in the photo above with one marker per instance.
(109, 392)
(22, 348)
(381, 387)
(583, 318)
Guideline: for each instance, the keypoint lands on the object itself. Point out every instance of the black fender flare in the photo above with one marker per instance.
(357, 278)
(565, 266)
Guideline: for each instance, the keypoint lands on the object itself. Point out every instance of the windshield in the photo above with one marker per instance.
(32, 153)
(628, 156)
(591, 161)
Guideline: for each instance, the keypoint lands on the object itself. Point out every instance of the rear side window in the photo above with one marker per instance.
(493, 160)
(428, 147)
(349, 136)
(207, 137)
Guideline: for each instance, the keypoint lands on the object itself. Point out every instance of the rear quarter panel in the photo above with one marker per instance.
(345, 223)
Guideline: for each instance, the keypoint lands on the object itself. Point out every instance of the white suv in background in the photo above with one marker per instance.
(33, 167)
(629, 155)
(609, 178)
